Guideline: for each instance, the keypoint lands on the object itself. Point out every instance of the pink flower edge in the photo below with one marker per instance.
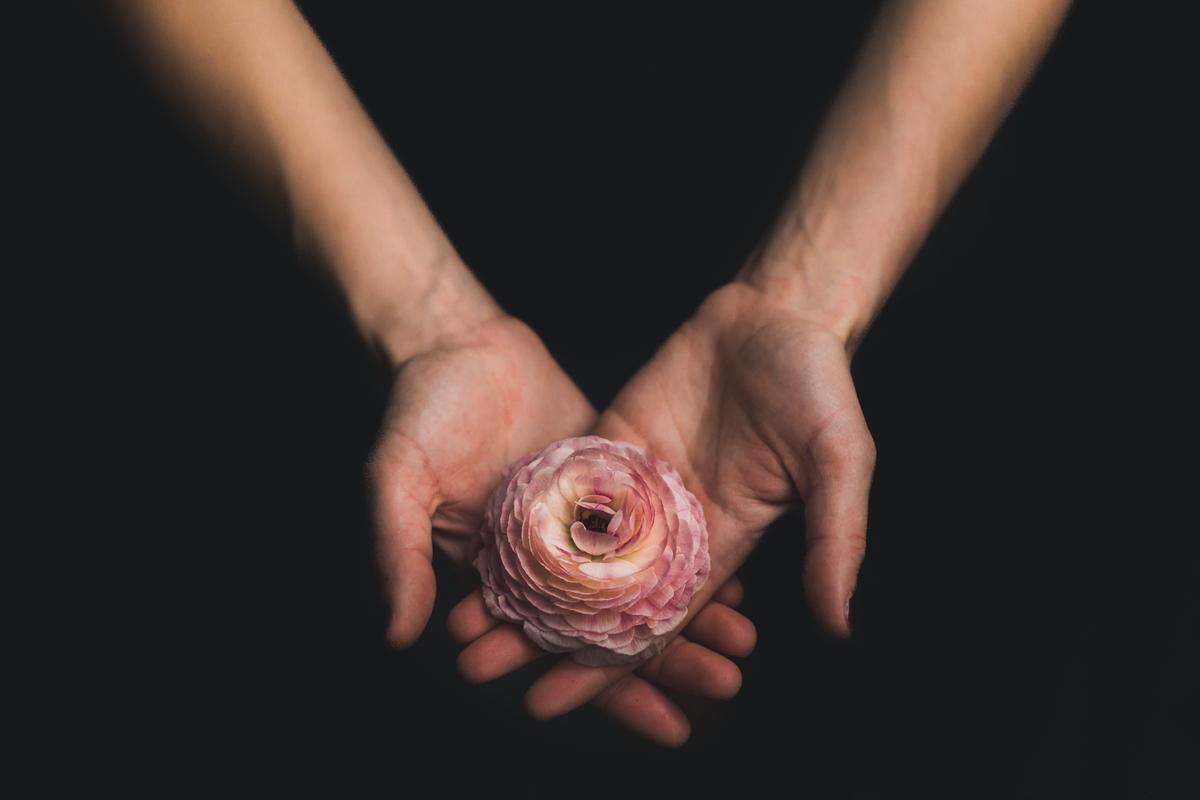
(594, 547)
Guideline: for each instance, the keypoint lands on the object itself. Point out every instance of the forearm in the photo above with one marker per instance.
(257, 77)
(931, 85)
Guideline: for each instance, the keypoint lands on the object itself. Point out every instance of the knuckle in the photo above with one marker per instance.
(848, 451)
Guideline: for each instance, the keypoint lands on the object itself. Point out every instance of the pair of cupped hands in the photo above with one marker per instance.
(751, 400)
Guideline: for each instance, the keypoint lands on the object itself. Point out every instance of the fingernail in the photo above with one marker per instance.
(849, 623)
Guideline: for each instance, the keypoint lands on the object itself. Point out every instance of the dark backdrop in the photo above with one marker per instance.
(1026, 617)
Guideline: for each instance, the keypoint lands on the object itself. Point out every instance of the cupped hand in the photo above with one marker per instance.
(459, 413)
(752, 401)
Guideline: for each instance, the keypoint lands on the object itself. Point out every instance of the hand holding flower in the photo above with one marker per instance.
(462, 409)
(752, 401)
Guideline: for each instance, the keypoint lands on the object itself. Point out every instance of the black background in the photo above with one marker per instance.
(1026, 620)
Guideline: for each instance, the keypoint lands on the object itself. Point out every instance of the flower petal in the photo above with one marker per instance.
(594, 543)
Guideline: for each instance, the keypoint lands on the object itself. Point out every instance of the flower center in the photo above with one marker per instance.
(593, 520)
(594, 511)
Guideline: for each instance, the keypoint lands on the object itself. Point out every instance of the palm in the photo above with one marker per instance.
(756, 409)
(458, 416)
(754, 404)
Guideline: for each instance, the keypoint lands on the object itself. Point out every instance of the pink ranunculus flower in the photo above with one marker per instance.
(595, 548)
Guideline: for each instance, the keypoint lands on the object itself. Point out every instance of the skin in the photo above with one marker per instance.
(458, 415)
(474, 388)
(751, 400)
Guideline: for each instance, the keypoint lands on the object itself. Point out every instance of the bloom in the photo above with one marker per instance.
(595, 548)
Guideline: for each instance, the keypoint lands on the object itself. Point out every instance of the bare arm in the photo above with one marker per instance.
(474, 389)
(256, 76)
(933, 82)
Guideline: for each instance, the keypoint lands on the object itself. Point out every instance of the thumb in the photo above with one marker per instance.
(403, 499)
(835, 514)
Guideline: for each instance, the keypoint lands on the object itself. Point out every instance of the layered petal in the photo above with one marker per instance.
(595, 548)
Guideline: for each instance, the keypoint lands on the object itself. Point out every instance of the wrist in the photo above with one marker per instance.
(446, 304)
(356, 213)
(818, 286)
(406, 287)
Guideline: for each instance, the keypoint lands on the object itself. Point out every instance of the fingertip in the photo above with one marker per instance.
(568, 685)
(837, 622)
(456, 628)
(474, 665)
(497, 653)
(692, 668)
(548, 698)
(721, 628)
(677, 735)
(537, 706)
(470, 619)
(413, 593)
(728, 682)
(646, 710)
(403, 632)
(830, 574)
(848, 614)
(833, 618)
(467, 666)
(740, 636)
(747, 640)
